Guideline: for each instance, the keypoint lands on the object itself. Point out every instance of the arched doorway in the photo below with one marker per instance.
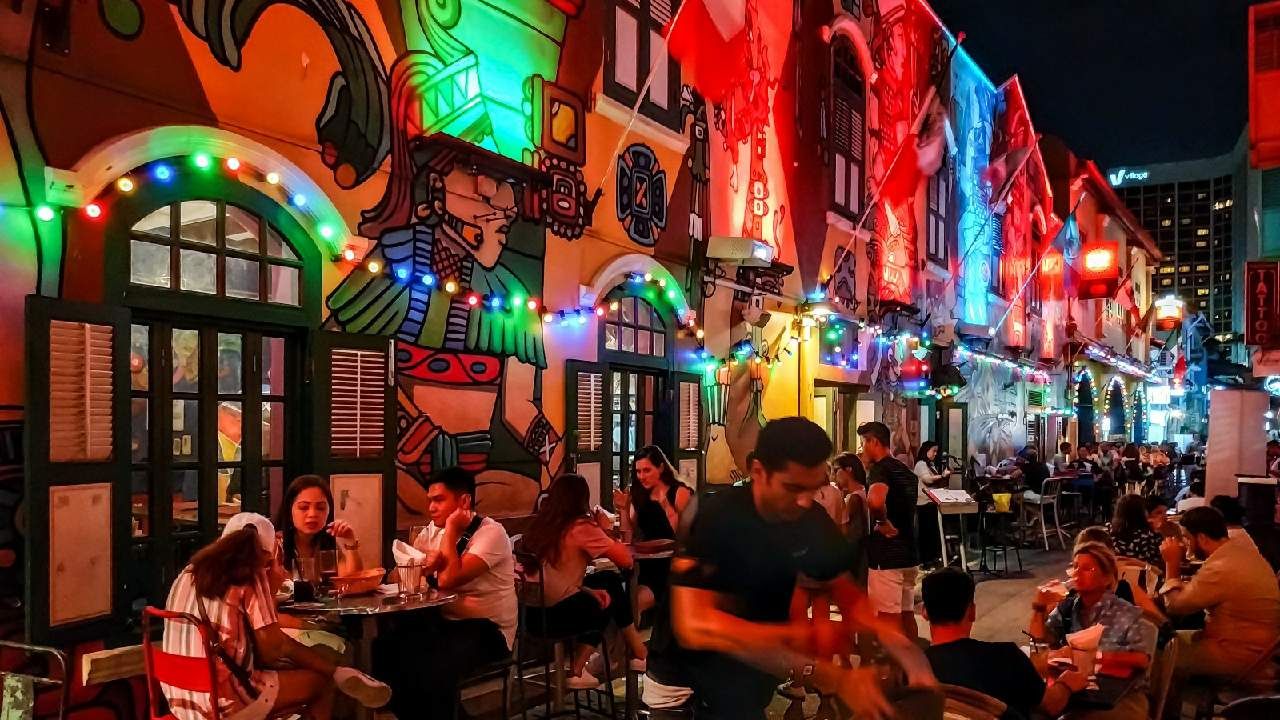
(633, 396)
(1114, 422)
(1084, 410)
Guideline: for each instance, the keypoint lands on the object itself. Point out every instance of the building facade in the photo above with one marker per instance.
(371, 240)
(1197, 211)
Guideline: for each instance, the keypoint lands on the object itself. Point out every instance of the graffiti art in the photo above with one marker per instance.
(459, 224)
(352, 126)
(641, 194)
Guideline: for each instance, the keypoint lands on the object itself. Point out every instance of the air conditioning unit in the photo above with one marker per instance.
(748, 252)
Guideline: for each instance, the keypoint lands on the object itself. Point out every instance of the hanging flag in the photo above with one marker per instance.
(1002, 171)
(709, 40)
(933, 139)
(916, 154)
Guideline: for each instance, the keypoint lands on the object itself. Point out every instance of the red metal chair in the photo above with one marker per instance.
(194, 674)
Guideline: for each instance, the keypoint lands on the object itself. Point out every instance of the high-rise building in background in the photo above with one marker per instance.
(1196, 211)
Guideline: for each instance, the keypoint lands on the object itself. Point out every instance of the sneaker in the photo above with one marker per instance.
(585, 681)
(364, 689)
(638, 665)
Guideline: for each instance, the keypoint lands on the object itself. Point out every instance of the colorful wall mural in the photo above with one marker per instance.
(468, 179)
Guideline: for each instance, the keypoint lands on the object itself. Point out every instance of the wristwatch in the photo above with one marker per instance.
(353, 546)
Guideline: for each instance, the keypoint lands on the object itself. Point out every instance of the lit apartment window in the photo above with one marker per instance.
(1166, 270)
(1201, 232)
(1184, 268)
(1202, 243)
(1202, 268)
(1166, 223)
(1166, 282)
(1202, 291)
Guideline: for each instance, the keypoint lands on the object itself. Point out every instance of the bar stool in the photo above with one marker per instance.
(1038, 509)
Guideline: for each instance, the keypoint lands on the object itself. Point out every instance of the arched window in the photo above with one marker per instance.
(211, 247)
(632, 325)
(848, 108)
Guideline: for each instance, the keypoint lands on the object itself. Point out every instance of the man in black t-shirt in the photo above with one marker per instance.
(892, 490)
(733, 583)
(1000, 670)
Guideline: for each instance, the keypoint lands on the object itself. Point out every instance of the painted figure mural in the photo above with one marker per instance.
(454, 267)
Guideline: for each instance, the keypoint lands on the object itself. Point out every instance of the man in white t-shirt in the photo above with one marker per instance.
(468, 555)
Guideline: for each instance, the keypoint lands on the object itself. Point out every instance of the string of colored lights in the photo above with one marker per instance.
(1027, 370)
(165, 171)
(571, 315)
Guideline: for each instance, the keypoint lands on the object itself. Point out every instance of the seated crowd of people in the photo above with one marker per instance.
(748, 600)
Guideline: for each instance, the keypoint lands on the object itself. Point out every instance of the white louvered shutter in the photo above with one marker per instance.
(357, 403)
(590, 411)
(80, 391)
(690, 415)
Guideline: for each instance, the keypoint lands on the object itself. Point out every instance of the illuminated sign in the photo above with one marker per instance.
(1120, 175)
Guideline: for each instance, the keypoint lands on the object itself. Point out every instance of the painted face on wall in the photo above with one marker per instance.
(481, 209)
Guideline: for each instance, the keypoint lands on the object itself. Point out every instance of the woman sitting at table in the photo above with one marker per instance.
(1131, 533)
(565, 537)
(307, 527)
(229, 587)
(1128, 640)
(653, 508)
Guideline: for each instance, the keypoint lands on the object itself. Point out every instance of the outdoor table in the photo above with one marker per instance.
(1105, 690)
(362, 612)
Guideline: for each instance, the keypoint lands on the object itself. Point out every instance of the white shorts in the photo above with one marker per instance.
(892, 591)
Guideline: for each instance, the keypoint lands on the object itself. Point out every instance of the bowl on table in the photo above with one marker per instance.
(361, 583)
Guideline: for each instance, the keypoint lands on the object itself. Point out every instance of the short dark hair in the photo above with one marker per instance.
(1197, 487)
(1155, 501)
(1231, 509)
(456, 480)
(1205, 521)
(875, 429)
(792, 440)
(1064, 447)
(948, 593)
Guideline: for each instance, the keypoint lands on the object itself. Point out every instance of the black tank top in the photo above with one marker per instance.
(651, 519)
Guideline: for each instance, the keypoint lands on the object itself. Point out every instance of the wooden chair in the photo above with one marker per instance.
(963, 703)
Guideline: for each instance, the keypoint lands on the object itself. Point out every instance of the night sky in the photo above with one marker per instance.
(1121, 81)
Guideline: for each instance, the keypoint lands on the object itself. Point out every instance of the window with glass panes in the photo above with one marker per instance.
(210, 247)
(633, 44)
(632, 325)
(208, 406)
(939, 195)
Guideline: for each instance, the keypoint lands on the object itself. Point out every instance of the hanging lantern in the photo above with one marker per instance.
(1168, 312)
(1100, 272)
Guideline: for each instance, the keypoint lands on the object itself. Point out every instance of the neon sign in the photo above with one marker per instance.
(1120, 175)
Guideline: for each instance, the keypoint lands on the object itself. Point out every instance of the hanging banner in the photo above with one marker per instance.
(1261, 310)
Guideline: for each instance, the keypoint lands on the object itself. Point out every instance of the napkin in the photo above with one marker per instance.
(1086, 639)
(406, 554)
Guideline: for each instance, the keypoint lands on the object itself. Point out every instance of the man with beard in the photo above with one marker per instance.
(1236, 590)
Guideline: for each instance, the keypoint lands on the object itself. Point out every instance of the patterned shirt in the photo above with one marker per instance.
(1142, 544)
(254, 603)
(1124, 629)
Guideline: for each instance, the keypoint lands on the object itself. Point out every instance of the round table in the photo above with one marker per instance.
(363, 611)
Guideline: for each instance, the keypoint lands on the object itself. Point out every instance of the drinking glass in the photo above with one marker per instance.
(409, 580)
(328, 564)
(416, 531)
